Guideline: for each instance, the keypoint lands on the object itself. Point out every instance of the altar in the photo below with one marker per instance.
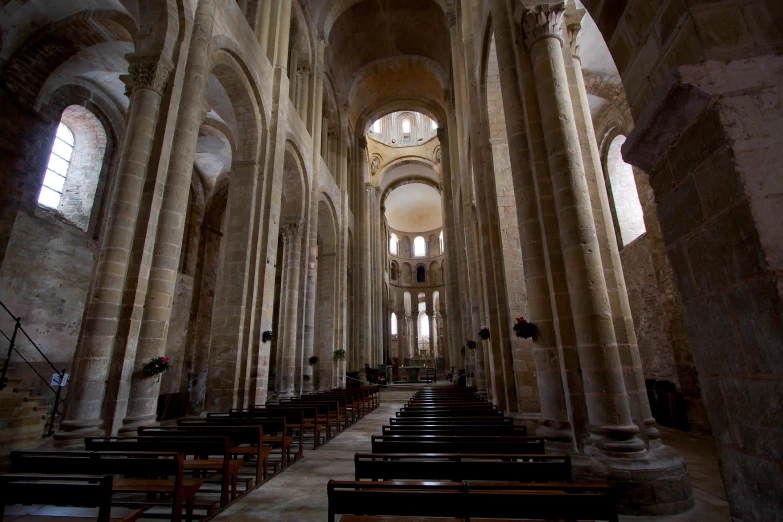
(416, 373)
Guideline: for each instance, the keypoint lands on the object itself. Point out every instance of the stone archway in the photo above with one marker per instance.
(326, 297)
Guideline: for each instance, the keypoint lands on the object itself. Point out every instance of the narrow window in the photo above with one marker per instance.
(376, 127)
(424, 326)
(421, 274)
(57, 169)
(393, 244)
(393, 323)
(419, 247)
(434, 125)
(440, 237)
(628, 209)
(406, 130)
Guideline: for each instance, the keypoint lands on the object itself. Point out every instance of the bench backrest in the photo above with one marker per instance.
(124, 463)
(454, 429)
(58, 490)
(467, 499)
(456, 444)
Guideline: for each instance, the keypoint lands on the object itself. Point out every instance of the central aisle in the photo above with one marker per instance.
(299, 493)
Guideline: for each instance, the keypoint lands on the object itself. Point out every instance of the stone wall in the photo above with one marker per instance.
(44, 280)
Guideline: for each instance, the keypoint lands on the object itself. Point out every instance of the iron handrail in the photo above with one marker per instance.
(58, 400)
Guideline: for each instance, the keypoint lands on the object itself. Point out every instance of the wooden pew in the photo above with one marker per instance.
(200, 447)
(458, 467)
(416, 421)
(73, 493)
(469, 501)
(454, 429)
(333, 412)
(138, 473)
(294, 418)
(245, 440)
(316, 416)
(272, 427)
(456, 444)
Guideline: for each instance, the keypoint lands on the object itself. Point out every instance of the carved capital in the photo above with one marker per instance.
(442, 135)
(291, 230)
(573, 35)
(543, 21)
(147, 72)
(304, 70)
(363, 142)
(451, 18)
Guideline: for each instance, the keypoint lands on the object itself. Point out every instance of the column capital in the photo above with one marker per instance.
(303, 70)
(291, 230)
(363, 142)
(573, 35)
(147, 72)
(542, 21)
(451, 18)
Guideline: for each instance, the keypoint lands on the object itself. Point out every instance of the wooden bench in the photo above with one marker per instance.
(137, 472)
(315, 416)
(355, 500)
(246, 441)
(458, 467)
(200, 447)
(276, 431)
(294, 419)
(415, 421)
(463, 412)
(329, 411)
(454, 429)
(456, 444)
(79, 498)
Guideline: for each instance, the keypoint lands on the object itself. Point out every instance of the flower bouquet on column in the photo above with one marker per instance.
(156, 366)
(524, 329)
(471, 344)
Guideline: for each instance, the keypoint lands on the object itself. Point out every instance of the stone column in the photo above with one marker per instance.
(325, 136)
(430, 322)
(610, 253)
(146, 80)
(611, 427)
(400, 355)
(264, 23)
(302, 94)
(283, 34)
(292, 259)
(293, 73)
(143, 398)
(443, 337)
(449, 242)
(308, 336)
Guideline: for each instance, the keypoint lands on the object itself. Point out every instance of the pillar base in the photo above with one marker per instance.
(131, 424)
(656, 484)
(73, 432)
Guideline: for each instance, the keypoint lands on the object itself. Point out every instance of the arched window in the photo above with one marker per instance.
(394, 243)
(376, 127)
(628, 209)
(440, 237)
(393, 324)
(57, 169)
(434, 125)
(75, 162)
(419, 247)
(421, 274)
(424, 326)
(406, 130)
(393, 271)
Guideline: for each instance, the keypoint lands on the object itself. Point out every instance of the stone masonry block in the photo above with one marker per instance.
(714, 340)
(757, 309)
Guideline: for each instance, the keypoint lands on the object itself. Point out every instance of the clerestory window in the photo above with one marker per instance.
(57, 169)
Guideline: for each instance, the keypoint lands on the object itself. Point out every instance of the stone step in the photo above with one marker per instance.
(11, 402)
(26, 421)
(23, 389)
(11, 382)
(18, 412)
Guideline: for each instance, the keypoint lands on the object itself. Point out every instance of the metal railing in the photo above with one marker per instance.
(58, 399)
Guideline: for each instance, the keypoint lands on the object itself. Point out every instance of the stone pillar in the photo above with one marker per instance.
(283, 34)
(325, 136)
(289, 303)
(143, 398)
(449, 242)
(264, 23)
(293, 74)
(400, 354)
(302, 93)
(610, 254)
(430, 322)
(146, 80)
(611, 427)
(308, 336)
(443, 337)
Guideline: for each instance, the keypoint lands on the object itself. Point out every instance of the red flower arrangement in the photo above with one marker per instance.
(471, 344)
(524, 329)
(157, 366)
(313, 360)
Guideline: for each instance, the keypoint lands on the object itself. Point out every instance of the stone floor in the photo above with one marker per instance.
(299, 493)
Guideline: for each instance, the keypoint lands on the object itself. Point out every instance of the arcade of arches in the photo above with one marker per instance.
(179, 177)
